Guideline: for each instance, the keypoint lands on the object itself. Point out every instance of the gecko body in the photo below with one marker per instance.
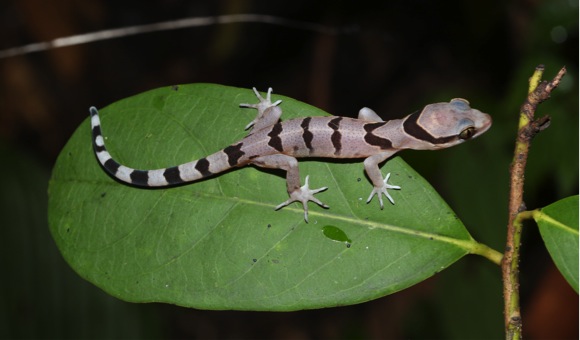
(277, 144)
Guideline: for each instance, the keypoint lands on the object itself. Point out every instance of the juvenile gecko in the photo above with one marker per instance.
(275, 144)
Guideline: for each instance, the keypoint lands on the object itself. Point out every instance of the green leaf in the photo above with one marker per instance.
(218, 243)
(558, 224)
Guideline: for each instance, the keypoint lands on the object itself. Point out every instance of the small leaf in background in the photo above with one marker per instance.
(218, 243)
(558, 224)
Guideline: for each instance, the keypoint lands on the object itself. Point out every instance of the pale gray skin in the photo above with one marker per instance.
(274, 144)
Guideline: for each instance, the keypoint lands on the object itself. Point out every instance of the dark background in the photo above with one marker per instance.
(392, 56)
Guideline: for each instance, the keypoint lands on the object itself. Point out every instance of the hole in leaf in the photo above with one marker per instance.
(336, 234)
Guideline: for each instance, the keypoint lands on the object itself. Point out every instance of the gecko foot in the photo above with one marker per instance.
(262, 106)
(383, 190)
(304, 194)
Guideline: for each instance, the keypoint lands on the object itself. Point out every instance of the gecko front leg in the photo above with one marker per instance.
(374, 172)
(296, 192)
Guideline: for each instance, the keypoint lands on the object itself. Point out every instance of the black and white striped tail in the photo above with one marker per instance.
(187, 172)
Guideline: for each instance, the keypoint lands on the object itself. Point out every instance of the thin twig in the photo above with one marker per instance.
(528, 128)
(164, 26)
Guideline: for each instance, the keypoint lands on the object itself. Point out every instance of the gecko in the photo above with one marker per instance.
(275, 144)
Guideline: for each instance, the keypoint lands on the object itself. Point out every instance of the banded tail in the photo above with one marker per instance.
(187, 172)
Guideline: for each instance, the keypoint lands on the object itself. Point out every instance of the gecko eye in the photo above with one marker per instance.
(467, 133)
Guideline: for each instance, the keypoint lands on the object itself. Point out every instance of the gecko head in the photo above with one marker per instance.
(442, 125)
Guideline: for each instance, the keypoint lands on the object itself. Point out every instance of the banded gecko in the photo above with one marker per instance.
(276, 144)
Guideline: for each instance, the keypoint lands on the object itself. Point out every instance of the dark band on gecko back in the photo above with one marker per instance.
(275, 140)
(307, 135)
(375, 140)
(336, 137)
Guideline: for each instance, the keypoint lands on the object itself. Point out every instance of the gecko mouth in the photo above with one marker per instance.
(485, 126)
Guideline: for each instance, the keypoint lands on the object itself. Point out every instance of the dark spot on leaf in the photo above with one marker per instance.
(358, 179)
(103, 194)
(348, 245)
(269, 225)
(336, 234)
(255, 260)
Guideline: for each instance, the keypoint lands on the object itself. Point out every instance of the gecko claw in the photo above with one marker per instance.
(379, 191)
(262, 106)
(303, 195)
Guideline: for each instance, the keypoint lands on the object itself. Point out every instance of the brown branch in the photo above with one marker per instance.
(528, 128)
(113, 33)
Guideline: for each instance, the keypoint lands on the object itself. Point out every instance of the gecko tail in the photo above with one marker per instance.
(175, 175)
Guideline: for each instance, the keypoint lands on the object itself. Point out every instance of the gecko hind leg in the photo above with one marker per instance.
(268, 113)
(304, 194)
(296, 192)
